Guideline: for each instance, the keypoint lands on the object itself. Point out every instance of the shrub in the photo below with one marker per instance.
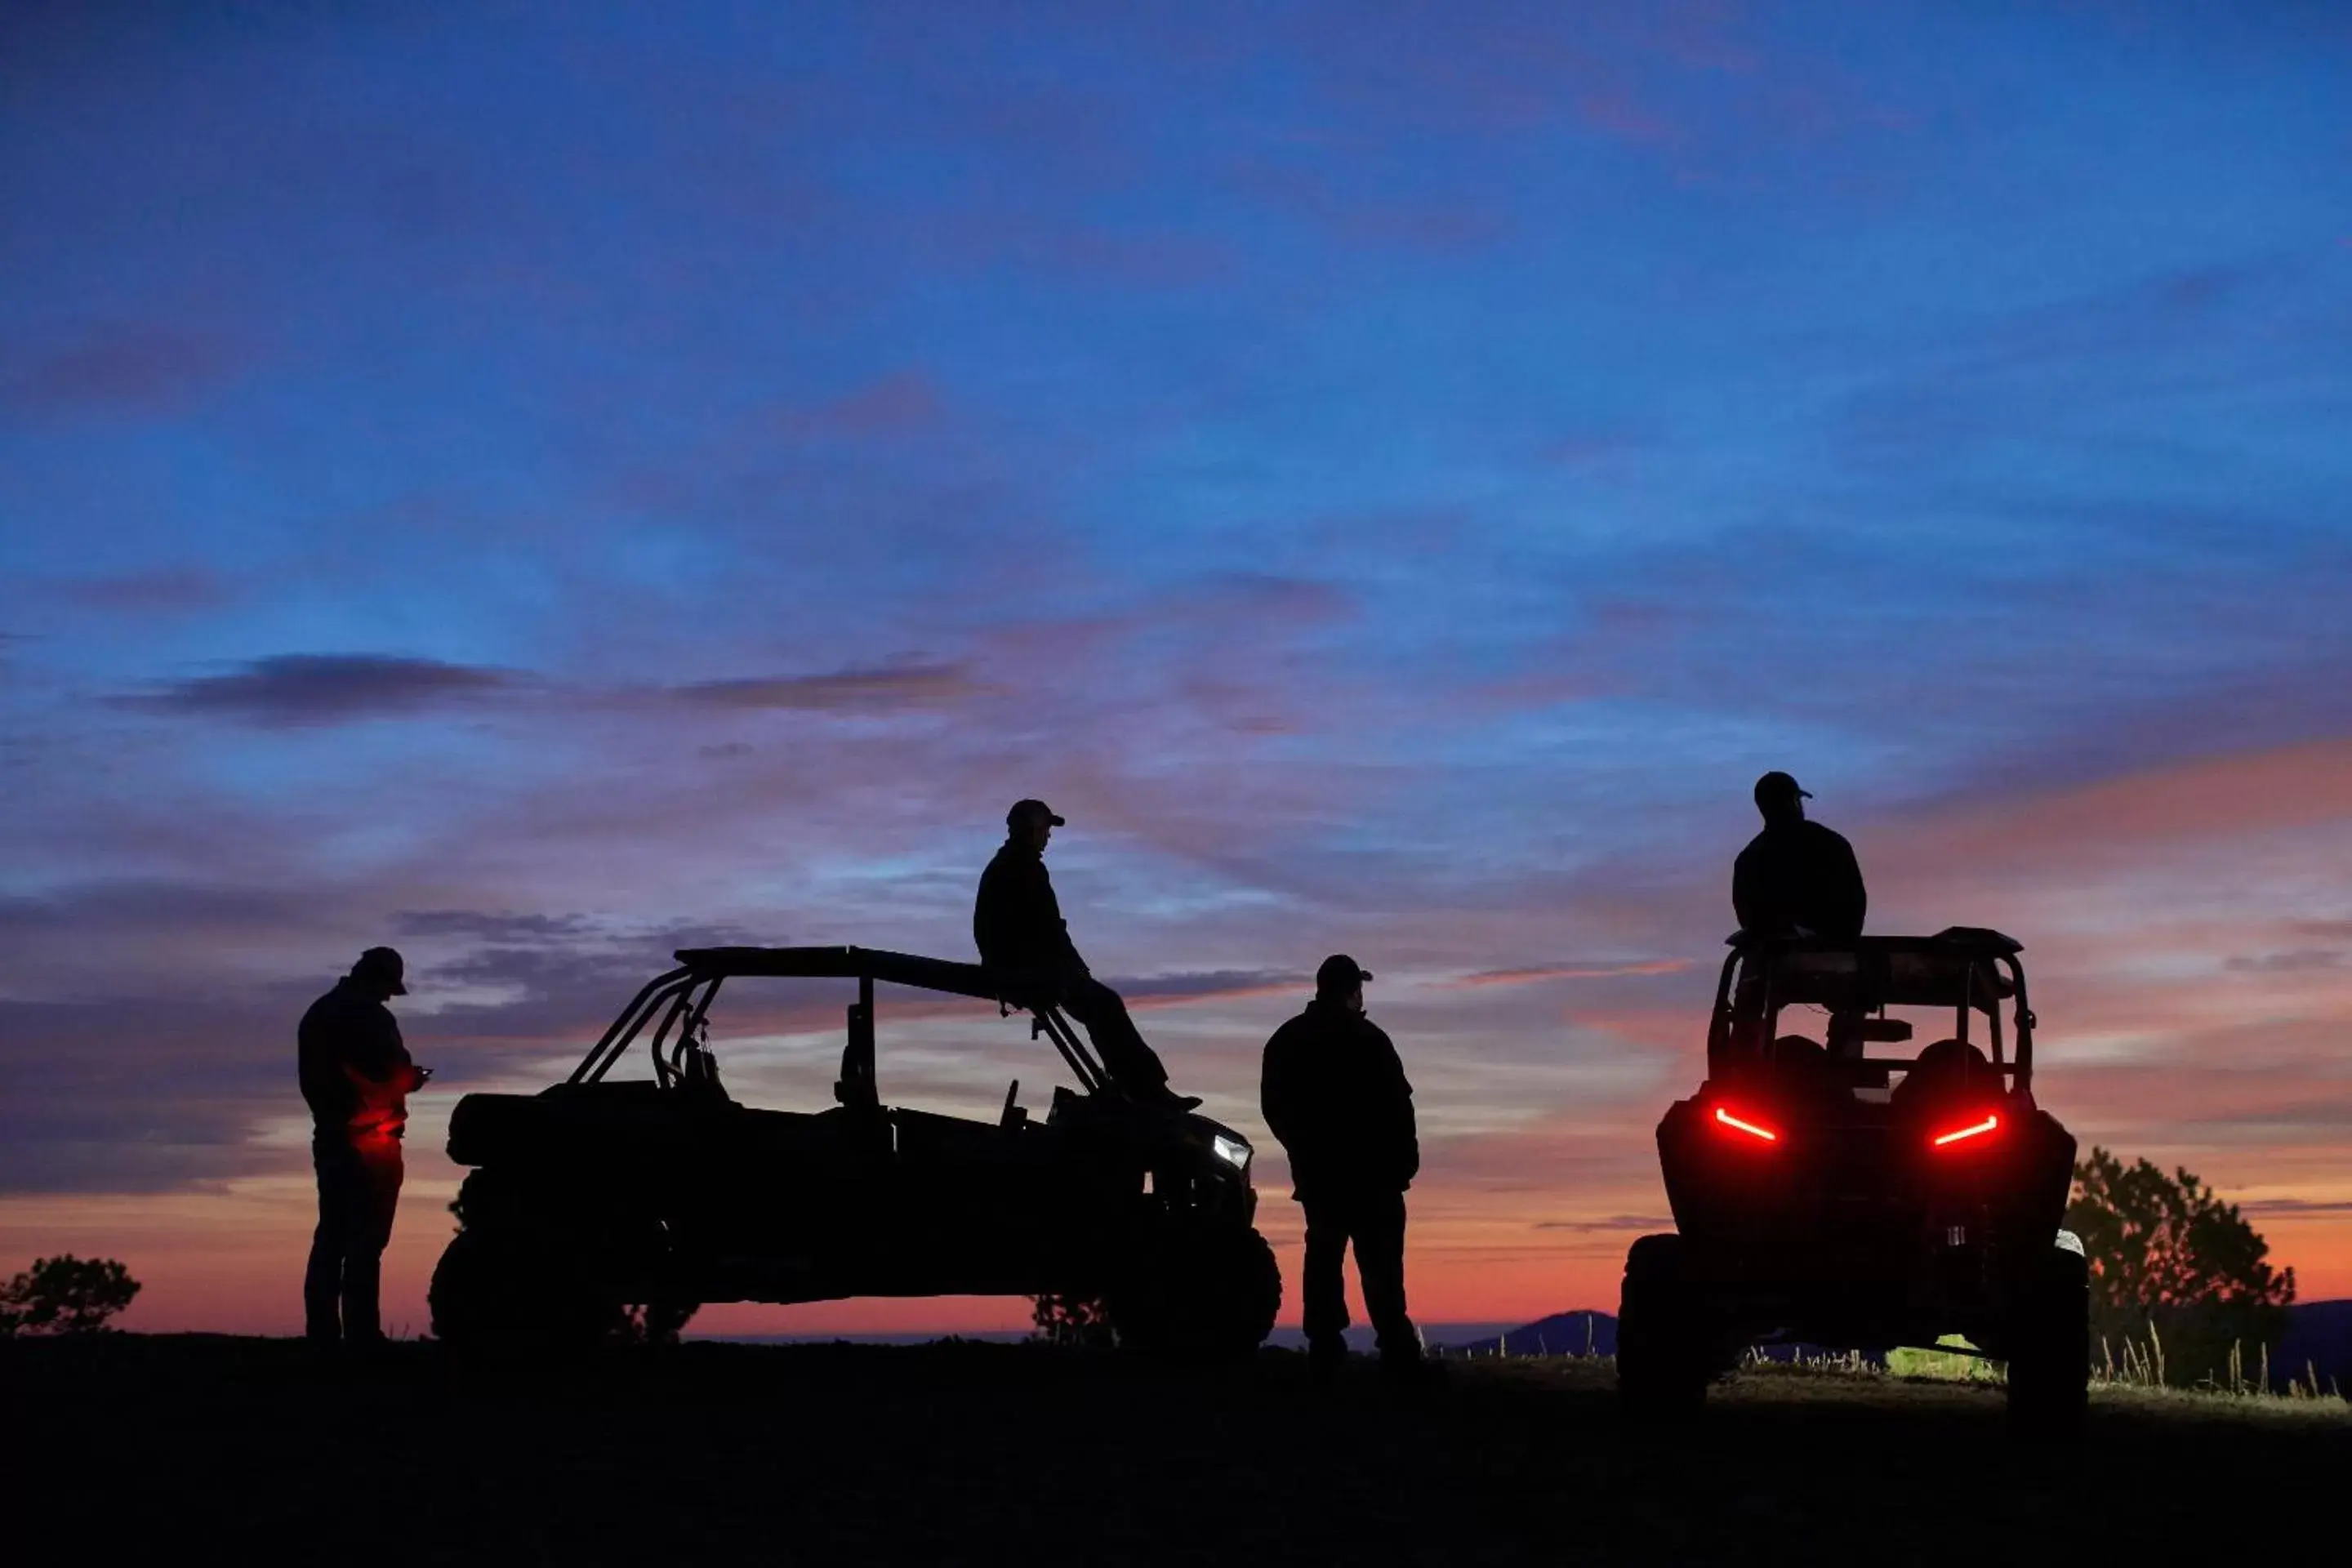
(65, 1295)
(1078, 1322)
(2172, 1264)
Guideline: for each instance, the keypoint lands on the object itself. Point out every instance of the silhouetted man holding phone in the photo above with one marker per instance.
(1796, 878)
(1017, 924)
(1335, 1093)
(357, 1077)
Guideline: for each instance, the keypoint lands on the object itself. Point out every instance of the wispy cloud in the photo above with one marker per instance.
(479, 926)
(884, 688)
(2293, 1207)
(128, 368)
(162, 590)
(1486, 977)
(1216, 986)
(903, 404)
(2300, 960)
(286, 690)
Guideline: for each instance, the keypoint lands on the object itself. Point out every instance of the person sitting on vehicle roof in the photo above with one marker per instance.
(1017, 924)
(1796, 878)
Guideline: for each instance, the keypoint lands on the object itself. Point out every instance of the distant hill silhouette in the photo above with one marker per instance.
(2319, 1334)
(1562, 1333)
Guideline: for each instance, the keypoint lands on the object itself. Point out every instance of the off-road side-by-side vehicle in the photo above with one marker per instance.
(599, 1194)
(1825, 1195)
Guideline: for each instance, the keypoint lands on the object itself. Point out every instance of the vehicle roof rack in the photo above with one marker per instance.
(1951, 940)
(845, 964)
(685, 992)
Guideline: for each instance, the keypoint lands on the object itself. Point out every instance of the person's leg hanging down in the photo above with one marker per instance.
(1133, 1065)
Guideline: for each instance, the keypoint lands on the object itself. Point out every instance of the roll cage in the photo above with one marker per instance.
(681, 1000)
(1967, 968)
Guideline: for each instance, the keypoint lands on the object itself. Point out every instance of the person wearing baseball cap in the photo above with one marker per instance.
(1796, 878)
(356, 1077)
(1017, 924)
(1334, 1091)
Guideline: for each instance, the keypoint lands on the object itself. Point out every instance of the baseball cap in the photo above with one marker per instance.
(382, 963)
(1778, 786)
(1339, 973)
(1022, 810)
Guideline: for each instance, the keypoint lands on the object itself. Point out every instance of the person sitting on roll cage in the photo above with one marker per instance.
(1336, 1095)
(1799, 878)
(1796, 878)
(1017, 924)
(356, 1075)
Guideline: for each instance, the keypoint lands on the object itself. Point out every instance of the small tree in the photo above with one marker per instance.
(64, 1296)
(655, 1322)
(2167, 1255)
(1076, 1322)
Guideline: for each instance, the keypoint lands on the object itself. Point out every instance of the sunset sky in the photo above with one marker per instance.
(540, 491)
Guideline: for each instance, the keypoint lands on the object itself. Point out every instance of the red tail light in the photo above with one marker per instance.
(1740, 1124)
(1989, 1125)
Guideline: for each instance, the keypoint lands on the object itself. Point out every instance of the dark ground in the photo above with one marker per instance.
(243, 1451)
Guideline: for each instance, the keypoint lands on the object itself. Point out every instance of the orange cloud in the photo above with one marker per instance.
(2184, 805)
(1561, 972)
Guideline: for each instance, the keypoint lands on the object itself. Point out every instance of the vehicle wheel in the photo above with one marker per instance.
(505, 1291)
(1665, 1353)
(2049, 1347)
(1197, 1293)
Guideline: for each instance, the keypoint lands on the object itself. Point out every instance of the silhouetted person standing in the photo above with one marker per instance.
(357, 1077)
(1017, 924)
(1796, 878)
(1335, 1093)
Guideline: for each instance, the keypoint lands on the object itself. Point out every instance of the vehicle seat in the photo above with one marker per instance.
(1946, 1070)
(1801, 1066)
(855, 1088)
(1848, 1046)
(698, 1074)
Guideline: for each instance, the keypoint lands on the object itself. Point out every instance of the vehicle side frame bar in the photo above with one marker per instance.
(672, 998)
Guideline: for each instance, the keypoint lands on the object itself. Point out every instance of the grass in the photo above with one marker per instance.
(970, 1453)
(1960, 1364)
(2142, 1368)
(2139, 1374)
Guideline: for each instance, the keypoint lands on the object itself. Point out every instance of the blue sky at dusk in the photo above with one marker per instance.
(538, 488)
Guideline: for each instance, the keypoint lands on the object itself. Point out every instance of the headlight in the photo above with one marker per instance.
(1232, 1151)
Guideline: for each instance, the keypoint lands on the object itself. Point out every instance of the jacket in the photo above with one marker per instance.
(1335, 1093)
(1016, 922)
(1800, 875)
(356, 1072)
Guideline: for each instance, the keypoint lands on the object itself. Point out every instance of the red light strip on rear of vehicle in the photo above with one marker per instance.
(1736, 1125)
(1973, 1131)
